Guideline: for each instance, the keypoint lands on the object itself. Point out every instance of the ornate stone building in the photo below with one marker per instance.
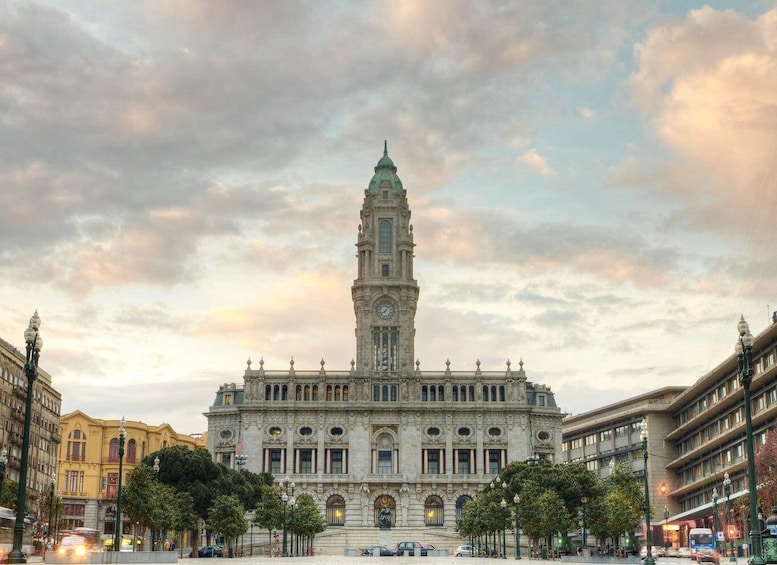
(384, 432)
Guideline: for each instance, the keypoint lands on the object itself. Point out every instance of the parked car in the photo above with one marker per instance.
(707, 555)
(683, 551)
(412, 547)
(463, 551)
(72, 546)
(381, 550)
(210, 551)
(673, 552)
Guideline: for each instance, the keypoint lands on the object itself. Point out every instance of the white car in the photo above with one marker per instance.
(463, 551)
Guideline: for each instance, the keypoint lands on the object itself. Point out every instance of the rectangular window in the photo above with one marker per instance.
(384, 270)
(590, 439)
(384, 462)
(226, 459)
(494, 461)
(275, 461)
(433, 462)
(621, 431)
(463, 462)
(306, 461)
(337, 461)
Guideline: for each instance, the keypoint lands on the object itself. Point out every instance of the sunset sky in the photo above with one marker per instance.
(592, 187)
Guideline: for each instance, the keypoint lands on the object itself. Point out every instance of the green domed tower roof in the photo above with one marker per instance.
(385, 176)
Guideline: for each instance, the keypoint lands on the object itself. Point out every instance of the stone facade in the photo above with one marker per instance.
(384, 433)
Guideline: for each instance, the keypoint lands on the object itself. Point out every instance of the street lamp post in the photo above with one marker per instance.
(517, 501)
(3, 462)
(644, 437)
(292, 502)
(583, 502)
(503, 504)
(666, 525)
(744, 350)
(34, 345)
(715, 524)
(727, 491)
(287, 490)
(154, 538)
(49, 535)
(117, 533)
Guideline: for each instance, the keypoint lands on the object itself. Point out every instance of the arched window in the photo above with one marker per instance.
(345, 393)
(432, 393)
(471, 393)
(393, 393)
(298, 393)
(502, 393)
(423, 393)
(113, 451)
(385, 396)
(385, 501)
(307, 393)
(329, 393)
(493, 393)
(384, 236)
(460, 502)
(267, 392)
(132, 451)
(315, 393)
(434, 511)
(455, 392)
(335, 510)
(337, 392)
(276, 393)
(485, 393)
(284, 392)
(376, 393)
(441, 393)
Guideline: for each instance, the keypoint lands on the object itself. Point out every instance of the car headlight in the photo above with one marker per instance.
(80, 550)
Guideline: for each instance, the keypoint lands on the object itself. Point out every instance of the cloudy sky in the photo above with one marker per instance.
(592, 187)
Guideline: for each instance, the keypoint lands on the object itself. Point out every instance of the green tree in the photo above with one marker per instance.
(766, 471)
(308, 520)
(227, 518)
(148, 503)
(269, 512)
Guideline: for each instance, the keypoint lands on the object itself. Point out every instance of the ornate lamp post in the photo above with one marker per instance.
(744, 350)
(292, 502)
(3, 462)
(715, 524)
(583, 502)
(287, 490)
(503, 504)
(117, 533)
(517, 501)
(727, 491)
(644, 437)
(666, 525)
(50, 533)
(156, 479)
(34, 345)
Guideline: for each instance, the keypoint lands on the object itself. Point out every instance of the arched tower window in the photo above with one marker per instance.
(385, 345)
(434, 511)
(113, 451)
(335, 510)
(384, 236)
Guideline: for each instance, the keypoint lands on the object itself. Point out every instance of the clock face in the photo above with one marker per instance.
(385, 310)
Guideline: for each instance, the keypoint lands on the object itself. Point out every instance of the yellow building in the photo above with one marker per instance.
(88, 465)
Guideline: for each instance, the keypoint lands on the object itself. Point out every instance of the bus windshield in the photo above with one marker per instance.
(700, 537)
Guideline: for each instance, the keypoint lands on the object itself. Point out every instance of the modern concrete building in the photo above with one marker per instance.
(696, 438)
(44, 426)
(384, 432)
(88, 469)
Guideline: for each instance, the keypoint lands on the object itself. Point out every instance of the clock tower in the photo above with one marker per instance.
(384, 293)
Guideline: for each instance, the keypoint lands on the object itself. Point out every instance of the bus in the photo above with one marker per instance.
(7, 522)
(700, 537)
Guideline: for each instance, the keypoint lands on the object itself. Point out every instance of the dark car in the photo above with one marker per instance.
(210, 551)
(412, 547)
(382, 550)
